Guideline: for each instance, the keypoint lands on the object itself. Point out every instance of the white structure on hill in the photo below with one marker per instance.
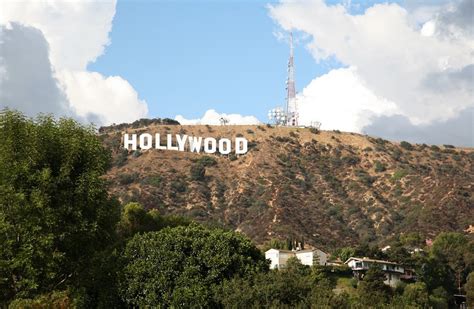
(279, 257)
(393, 271)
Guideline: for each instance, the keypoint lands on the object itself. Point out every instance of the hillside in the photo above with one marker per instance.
(328, 187)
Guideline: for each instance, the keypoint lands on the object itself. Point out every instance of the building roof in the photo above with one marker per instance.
(295, 251)
(308, 250)
(280, 250)
(364, 259)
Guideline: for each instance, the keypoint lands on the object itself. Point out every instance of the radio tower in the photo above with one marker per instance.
(291, 104)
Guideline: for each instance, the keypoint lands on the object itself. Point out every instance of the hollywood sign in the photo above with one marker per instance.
(185, 143)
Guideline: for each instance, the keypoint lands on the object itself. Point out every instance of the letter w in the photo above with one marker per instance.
(195, 143)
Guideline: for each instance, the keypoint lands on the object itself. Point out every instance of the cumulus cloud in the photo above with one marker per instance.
(110, 99)
(26, 76)
(457, 131)
(211, 117)
(76, 32)
(397, 61)
(340, 100)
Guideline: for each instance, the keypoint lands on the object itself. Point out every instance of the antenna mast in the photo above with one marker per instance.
(291, 105)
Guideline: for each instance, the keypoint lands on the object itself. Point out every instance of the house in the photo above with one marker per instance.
(312, 257)
(393, 271)
(279, 257)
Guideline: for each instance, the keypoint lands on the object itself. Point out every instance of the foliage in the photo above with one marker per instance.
(198, 172)
(345, 253)
(406, 145)
(372, 289)
(154, 180)
(126, 179)
(207, 161)
(179, 266)
(379, 167)
(314, 130)
(55, 299)
(450, 247)
(136, 219)
(54, 209)
(469, 288)
(416, 295)
(399, 174)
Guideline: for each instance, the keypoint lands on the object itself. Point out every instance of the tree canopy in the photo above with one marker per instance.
(179, 266)
(54, 208)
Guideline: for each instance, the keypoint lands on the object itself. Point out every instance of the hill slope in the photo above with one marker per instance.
(331, 188)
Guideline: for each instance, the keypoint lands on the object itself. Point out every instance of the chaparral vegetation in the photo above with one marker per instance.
(70, 239)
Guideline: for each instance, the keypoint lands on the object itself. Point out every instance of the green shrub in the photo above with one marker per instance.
(198, 172)
(399, 174)
(294, 134)
(365, 178)
(207, 161)
(406, 145)
(126, 179)
(380, 167)
(121, 158)
(351, 160)
(137, 153)
(153, 180)
(314, 130)
(178, 185)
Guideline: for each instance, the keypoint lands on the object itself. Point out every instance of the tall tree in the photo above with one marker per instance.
(54, 208)
(179, 266)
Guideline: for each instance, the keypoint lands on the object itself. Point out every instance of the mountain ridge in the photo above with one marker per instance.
(329, 188)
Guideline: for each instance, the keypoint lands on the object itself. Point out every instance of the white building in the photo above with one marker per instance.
(279, 257)
(393, 271)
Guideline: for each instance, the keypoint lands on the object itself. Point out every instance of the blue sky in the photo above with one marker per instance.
(185, 58)
(400, 70)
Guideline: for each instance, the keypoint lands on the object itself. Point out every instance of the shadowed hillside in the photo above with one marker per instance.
(328, 187)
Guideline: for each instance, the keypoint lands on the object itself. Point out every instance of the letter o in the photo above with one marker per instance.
(210, 141)
(227, 147)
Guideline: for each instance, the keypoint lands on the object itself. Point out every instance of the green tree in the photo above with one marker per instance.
(469, 288)
(345, 253)
(451, 247)
(180, 266)
(416, 295)
(54, 208)
(439, 298)
(275, 289)
(136, 219)
(436, 273)
(372, 290)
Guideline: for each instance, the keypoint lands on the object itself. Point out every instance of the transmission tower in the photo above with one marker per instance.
(287, 116)
(291, 104)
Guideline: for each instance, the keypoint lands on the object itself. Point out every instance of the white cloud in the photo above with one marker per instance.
(26, 77)
(108, 99)
(212, 117)
(76, 32)
(339, 100)
(388, 54)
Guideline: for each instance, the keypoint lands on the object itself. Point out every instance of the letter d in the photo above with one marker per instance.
(241, 145)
